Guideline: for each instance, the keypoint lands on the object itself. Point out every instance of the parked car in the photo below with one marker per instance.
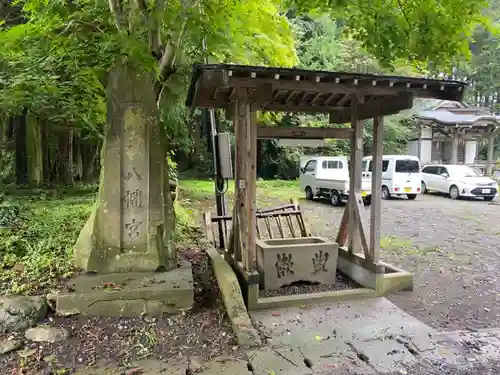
(457, 181)
(400, 175)
(328, 177)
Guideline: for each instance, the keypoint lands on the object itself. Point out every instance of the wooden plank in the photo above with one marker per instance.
(275, 209)
(289, 223)
(355, 172)
(259, 236)
(208, 228)
(359, 260)
(376, 206)
(342, 231)
(267, 221)
(304, 231)
(264, 132)
(361, 225)
(389, 105)
(363, 87)
(239, 232)
(251, 193)
(279, 224)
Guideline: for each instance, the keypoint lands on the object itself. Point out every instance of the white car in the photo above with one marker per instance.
(457, 181)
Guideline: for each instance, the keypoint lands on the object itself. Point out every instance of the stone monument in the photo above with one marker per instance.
(128, 236)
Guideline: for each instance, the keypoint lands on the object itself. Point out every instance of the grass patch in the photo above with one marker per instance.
(267, 190)
(187, 230)
(405, 246)
(39, 229)
(37, 235)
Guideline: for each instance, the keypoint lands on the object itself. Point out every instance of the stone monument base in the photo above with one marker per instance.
(128, 294)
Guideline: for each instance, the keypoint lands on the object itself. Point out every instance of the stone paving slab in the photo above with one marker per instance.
(324, 341)
(363, 320)
(282, 361)
(369, 336)
(128, 294)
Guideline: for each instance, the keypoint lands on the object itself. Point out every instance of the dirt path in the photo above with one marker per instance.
(452, 247)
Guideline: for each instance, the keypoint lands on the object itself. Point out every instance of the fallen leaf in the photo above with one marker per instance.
(135, 371)
(26, 353)
(276, 313)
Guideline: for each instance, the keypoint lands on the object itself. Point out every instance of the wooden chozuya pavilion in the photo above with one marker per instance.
(346, 97)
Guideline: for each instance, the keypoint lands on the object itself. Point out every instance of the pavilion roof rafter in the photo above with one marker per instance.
(298, 90)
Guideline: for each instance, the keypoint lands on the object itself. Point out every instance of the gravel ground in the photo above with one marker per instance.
(203, 332)
(452, 247)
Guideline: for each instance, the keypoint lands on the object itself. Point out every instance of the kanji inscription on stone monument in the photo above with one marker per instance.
(319, 261)
(284, 265)
(132, 229)
(130, 175)
(133, 199)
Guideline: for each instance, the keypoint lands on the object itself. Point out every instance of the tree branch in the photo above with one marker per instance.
(155, 29)
(170, 53)
(116, 8)
(143, 6)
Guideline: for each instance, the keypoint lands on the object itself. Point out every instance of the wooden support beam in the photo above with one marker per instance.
(361, 225)
(207, 217)
(345, 99)
(376, 206)
(251, 197)
(385, 106)
(362, 88)
(239, 232)
(454, 148)
(342, 232)
(264, 132)
(489, 154)
(262, 100)
(355, 172)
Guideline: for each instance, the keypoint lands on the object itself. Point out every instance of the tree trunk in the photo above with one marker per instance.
(90, 154)
(78, 159)
(64, 160)
(46, 154)
(34, 154)
(21, 159)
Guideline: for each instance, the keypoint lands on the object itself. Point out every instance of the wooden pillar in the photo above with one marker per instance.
(251, 177)
(355, 171)
(376, 206)
(244, 230)
(489, 154)
(236, 244)
(454, 148)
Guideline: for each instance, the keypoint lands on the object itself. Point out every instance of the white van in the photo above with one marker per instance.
(400, 175)
(328, 177)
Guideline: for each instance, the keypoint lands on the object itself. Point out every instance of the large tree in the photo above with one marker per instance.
(140, 51)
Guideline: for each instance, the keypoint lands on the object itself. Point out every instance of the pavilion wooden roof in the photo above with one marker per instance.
(298, 90)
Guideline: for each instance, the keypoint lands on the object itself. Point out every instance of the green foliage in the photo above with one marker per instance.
(46, 72)
(414, 30)
(8, 214)
(36, 248)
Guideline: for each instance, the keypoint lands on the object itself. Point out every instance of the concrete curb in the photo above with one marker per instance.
(246, 334)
